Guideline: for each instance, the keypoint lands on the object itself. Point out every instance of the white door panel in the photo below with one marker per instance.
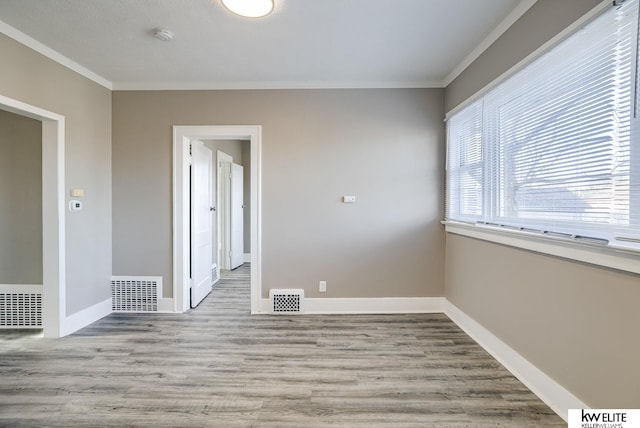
(201, 221)
(237, 216)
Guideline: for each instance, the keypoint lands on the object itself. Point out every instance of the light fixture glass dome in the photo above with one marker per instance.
(249, 8)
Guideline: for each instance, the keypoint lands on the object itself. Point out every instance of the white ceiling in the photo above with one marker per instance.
(304, 43)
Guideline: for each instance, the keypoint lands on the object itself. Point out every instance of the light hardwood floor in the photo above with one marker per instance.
(217, 366)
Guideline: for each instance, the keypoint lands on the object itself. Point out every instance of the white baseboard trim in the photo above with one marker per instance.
(247, 257)
(81, 319)
(166, 304)
(552, 393)
(382, 305)
(21, 288)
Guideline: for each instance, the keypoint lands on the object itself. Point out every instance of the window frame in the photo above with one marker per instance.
(616, 256)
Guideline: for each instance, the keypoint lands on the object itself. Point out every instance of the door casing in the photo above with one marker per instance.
(236, 216)
(54, 314)
(182, 135)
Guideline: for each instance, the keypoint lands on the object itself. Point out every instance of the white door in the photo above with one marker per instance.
(223, 199)
(237, 216)
(201, 221)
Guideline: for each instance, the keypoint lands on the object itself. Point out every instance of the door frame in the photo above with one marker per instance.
(54, 312)
(231, 227)
(222, 201)
(182, 135)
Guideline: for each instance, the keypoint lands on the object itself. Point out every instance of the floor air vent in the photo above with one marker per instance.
(286, 301)
(20, 306)
(135, 293)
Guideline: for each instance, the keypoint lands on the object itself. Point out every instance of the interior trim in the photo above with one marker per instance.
(182, 135)
(548, 390)
(86, 316)
(53, 55)
(520, 9)
(582, 21)
(599, 255)
(53, 213)
(212, 86)
(367, 305)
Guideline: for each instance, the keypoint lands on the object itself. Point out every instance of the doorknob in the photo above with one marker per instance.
(212, 208)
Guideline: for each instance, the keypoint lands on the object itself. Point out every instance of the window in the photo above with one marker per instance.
(554, 149)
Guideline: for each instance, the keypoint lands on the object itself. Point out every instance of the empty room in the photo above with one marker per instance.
(308, 213)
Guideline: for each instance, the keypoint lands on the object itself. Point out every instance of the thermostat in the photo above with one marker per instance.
(75, 205)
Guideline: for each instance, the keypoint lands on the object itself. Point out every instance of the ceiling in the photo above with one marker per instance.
(302, 44)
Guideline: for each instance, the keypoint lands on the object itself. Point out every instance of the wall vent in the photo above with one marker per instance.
(135, 293)
(20, 306)
(286, 301)
(215, 274)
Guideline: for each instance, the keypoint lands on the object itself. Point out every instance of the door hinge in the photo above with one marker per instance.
(190, 149)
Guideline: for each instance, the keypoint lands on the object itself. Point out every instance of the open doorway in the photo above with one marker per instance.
(232, 175)
(183, 136)
(52, 287)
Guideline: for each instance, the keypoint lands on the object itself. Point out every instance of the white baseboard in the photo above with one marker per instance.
(165, 304)
(552, 393)
(81, 319)
(21, 288)
(382, 305)
(247, 257)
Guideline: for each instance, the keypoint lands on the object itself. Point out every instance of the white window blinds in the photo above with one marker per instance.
(465, 172)
(554, 148)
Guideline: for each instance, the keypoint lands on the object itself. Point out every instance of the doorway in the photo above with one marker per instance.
(182, 136)
(233, 208)
(53, 214)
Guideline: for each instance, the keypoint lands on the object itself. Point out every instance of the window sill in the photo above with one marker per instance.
(627, 260)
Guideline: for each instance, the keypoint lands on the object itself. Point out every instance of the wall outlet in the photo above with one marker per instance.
(323, 287)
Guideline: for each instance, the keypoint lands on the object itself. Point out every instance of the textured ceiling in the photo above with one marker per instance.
(304, 43)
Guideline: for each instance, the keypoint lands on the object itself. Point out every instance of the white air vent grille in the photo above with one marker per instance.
(135, 293)
(286, 301)
(20, 309)
(215, 275)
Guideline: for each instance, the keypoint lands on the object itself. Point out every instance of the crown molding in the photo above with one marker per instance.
(186, 86)
(506, 23)
(53, 55)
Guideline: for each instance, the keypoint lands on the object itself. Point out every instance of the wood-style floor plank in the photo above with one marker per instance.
(218, 366)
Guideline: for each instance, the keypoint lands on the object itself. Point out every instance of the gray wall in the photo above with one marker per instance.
(384, 146)
(20, 199)
(29, 77)
(577, 323)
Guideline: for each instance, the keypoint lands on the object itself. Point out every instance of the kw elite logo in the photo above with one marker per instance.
(604, 418)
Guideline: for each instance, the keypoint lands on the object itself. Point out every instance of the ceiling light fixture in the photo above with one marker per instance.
(163, 34)
(249, 8)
